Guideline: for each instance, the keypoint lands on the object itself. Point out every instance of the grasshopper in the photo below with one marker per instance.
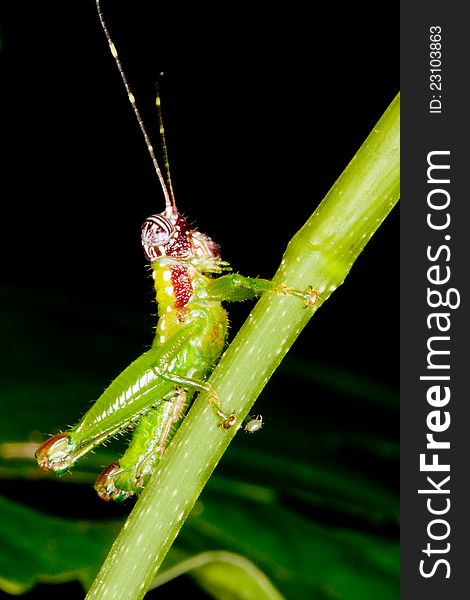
(152, 394)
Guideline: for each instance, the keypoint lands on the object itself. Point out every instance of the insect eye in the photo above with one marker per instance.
(156, 231)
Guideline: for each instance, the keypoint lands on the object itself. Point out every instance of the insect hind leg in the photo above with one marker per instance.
(129, 475)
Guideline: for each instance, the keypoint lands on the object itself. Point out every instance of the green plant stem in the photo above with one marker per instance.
(320, 254)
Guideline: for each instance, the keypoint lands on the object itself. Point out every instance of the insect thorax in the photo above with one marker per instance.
(176, 287)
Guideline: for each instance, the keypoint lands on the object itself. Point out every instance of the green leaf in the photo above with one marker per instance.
(40, 548)
(319, 483)
(341, 381)
(304, 559)
(224, 575)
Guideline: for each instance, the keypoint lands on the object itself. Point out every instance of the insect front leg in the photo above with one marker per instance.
(235, 287)
(129, 475)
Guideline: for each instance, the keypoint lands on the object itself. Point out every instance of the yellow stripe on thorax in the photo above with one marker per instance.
(165, 295)
(169, 320)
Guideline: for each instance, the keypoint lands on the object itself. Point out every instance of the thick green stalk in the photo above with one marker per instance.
(320, 254)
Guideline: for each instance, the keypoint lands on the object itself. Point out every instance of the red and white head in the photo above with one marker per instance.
(168, 234)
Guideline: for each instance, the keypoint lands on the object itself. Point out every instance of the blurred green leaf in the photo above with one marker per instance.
(340, 380)
(40, 548)
(267, 507)
(225, 575)
(303, 558)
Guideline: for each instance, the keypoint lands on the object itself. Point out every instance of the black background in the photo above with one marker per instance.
(263, 109)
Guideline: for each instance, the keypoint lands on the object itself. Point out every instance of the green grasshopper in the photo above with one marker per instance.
(153, 393)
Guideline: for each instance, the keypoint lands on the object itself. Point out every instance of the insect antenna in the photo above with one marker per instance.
(163, 139)
(170, 205)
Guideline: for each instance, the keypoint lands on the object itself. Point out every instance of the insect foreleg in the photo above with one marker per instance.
(235, 287)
